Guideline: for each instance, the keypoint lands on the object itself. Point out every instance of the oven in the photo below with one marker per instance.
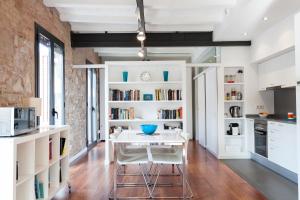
(261, 137)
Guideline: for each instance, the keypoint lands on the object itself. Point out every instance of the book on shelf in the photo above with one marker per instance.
(168, 95)
(170, 114)
(120, 113)
(50, 149)
(38, 188)
(126, 95)
(62, 146)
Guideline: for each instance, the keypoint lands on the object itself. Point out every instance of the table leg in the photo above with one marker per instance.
(115, 170)
(183, 172)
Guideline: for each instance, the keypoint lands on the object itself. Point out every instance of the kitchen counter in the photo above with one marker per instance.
(273, 118)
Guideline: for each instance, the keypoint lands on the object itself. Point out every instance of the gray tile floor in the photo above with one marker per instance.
(269, 183)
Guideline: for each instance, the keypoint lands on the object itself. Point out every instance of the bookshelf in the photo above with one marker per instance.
(26, 168)
(166, 106)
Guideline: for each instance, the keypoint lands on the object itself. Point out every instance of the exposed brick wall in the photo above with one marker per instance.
(17, 67)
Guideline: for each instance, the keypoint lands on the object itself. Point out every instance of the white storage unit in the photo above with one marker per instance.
(144, 111)
(231, 146)
(250, 134)
(26, 158)
(282, 145)
(279, 71)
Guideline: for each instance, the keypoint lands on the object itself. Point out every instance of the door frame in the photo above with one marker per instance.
(40, 30)
(94, 143)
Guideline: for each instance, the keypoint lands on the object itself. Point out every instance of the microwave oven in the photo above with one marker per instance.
(16, 121)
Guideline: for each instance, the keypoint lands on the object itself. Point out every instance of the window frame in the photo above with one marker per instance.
(53, 40)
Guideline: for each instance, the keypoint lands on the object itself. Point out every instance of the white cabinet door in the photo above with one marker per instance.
(282, 145)
(201, 109)
(250, 135)
(212, 111)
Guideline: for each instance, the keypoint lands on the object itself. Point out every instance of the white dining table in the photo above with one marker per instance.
(165, 138)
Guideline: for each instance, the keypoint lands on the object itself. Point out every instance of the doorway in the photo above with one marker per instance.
(50, 82)
(92, 105)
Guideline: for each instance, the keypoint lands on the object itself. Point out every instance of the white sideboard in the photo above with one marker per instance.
(37, 156)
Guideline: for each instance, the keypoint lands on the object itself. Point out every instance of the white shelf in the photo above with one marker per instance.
(234, 101)
(138, 102)
(146, 120)
(234, 136)
(233, 83)
(39, 169)
(146, 83)
(23, 178)
(234, 118)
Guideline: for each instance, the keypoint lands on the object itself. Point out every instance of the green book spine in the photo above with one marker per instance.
(41, 187)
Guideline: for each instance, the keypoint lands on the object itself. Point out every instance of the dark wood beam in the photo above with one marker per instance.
(178, 39)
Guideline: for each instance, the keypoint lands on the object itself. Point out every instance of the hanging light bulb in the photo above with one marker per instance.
(141, 53)
(141, 36)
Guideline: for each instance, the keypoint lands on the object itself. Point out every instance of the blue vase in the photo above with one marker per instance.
(125, 76)
(166, 75)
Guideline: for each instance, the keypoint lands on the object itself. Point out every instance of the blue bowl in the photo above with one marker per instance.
(148, 129)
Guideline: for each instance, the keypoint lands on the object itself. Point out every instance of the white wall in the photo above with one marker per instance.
(275, 40)
(189, 102)
(297, 55)
(237, 56)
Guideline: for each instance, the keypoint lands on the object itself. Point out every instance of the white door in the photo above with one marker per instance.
(201, 110)
(212, 110)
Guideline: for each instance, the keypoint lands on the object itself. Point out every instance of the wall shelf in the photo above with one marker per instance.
(146, 83)
(146, 102)
(147, 120)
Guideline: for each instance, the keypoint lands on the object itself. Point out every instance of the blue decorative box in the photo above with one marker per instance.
(148, 97)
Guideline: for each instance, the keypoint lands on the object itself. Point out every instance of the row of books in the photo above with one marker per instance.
(62, 150)
(119, 113)
(126, 95)
(170, 114)
(39, 189)
(170, 95)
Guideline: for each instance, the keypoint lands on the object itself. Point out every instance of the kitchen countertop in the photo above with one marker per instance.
(273, 118)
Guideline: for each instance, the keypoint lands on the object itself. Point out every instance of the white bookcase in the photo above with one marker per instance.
(232, 146)
(145, 111)
(26, 158)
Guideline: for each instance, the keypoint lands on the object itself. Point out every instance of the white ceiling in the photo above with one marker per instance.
(176, 15)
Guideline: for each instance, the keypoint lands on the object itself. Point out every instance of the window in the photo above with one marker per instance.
(49, 58)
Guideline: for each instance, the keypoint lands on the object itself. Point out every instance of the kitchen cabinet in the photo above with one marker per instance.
(279, 71)
(250, 134)
(282, 145)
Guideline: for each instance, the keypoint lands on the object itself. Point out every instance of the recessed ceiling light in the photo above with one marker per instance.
(245, 34)
(266, 18)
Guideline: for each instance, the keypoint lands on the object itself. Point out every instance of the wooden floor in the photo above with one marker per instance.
(210, 179)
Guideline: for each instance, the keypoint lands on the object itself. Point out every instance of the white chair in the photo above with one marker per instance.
(132, 156)
(169, 156)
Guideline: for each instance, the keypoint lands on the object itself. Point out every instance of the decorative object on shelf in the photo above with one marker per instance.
(240, 75)
(145, 76)
(239, 96)
(166, 75)
(233, 94)
(233, 129)
(148, 129)
(291, 116)
(235, 111)
(228, 96)
(148, 97)
(125, 76)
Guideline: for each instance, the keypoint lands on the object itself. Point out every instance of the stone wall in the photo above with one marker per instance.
(17, 63)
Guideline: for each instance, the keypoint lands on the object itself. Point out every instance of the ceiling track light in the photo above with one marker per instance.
(141, 53)
(141, 36)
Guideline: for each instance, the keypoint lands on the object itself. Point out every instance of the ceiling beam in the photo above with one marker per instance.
(178, 39)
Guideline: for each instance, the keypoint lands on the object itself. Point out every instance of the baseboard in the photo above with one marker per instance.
(77, 156)
(274, 167)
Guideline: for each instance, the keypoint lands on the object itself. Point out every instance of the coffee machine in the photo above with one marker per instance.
(233, 129)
